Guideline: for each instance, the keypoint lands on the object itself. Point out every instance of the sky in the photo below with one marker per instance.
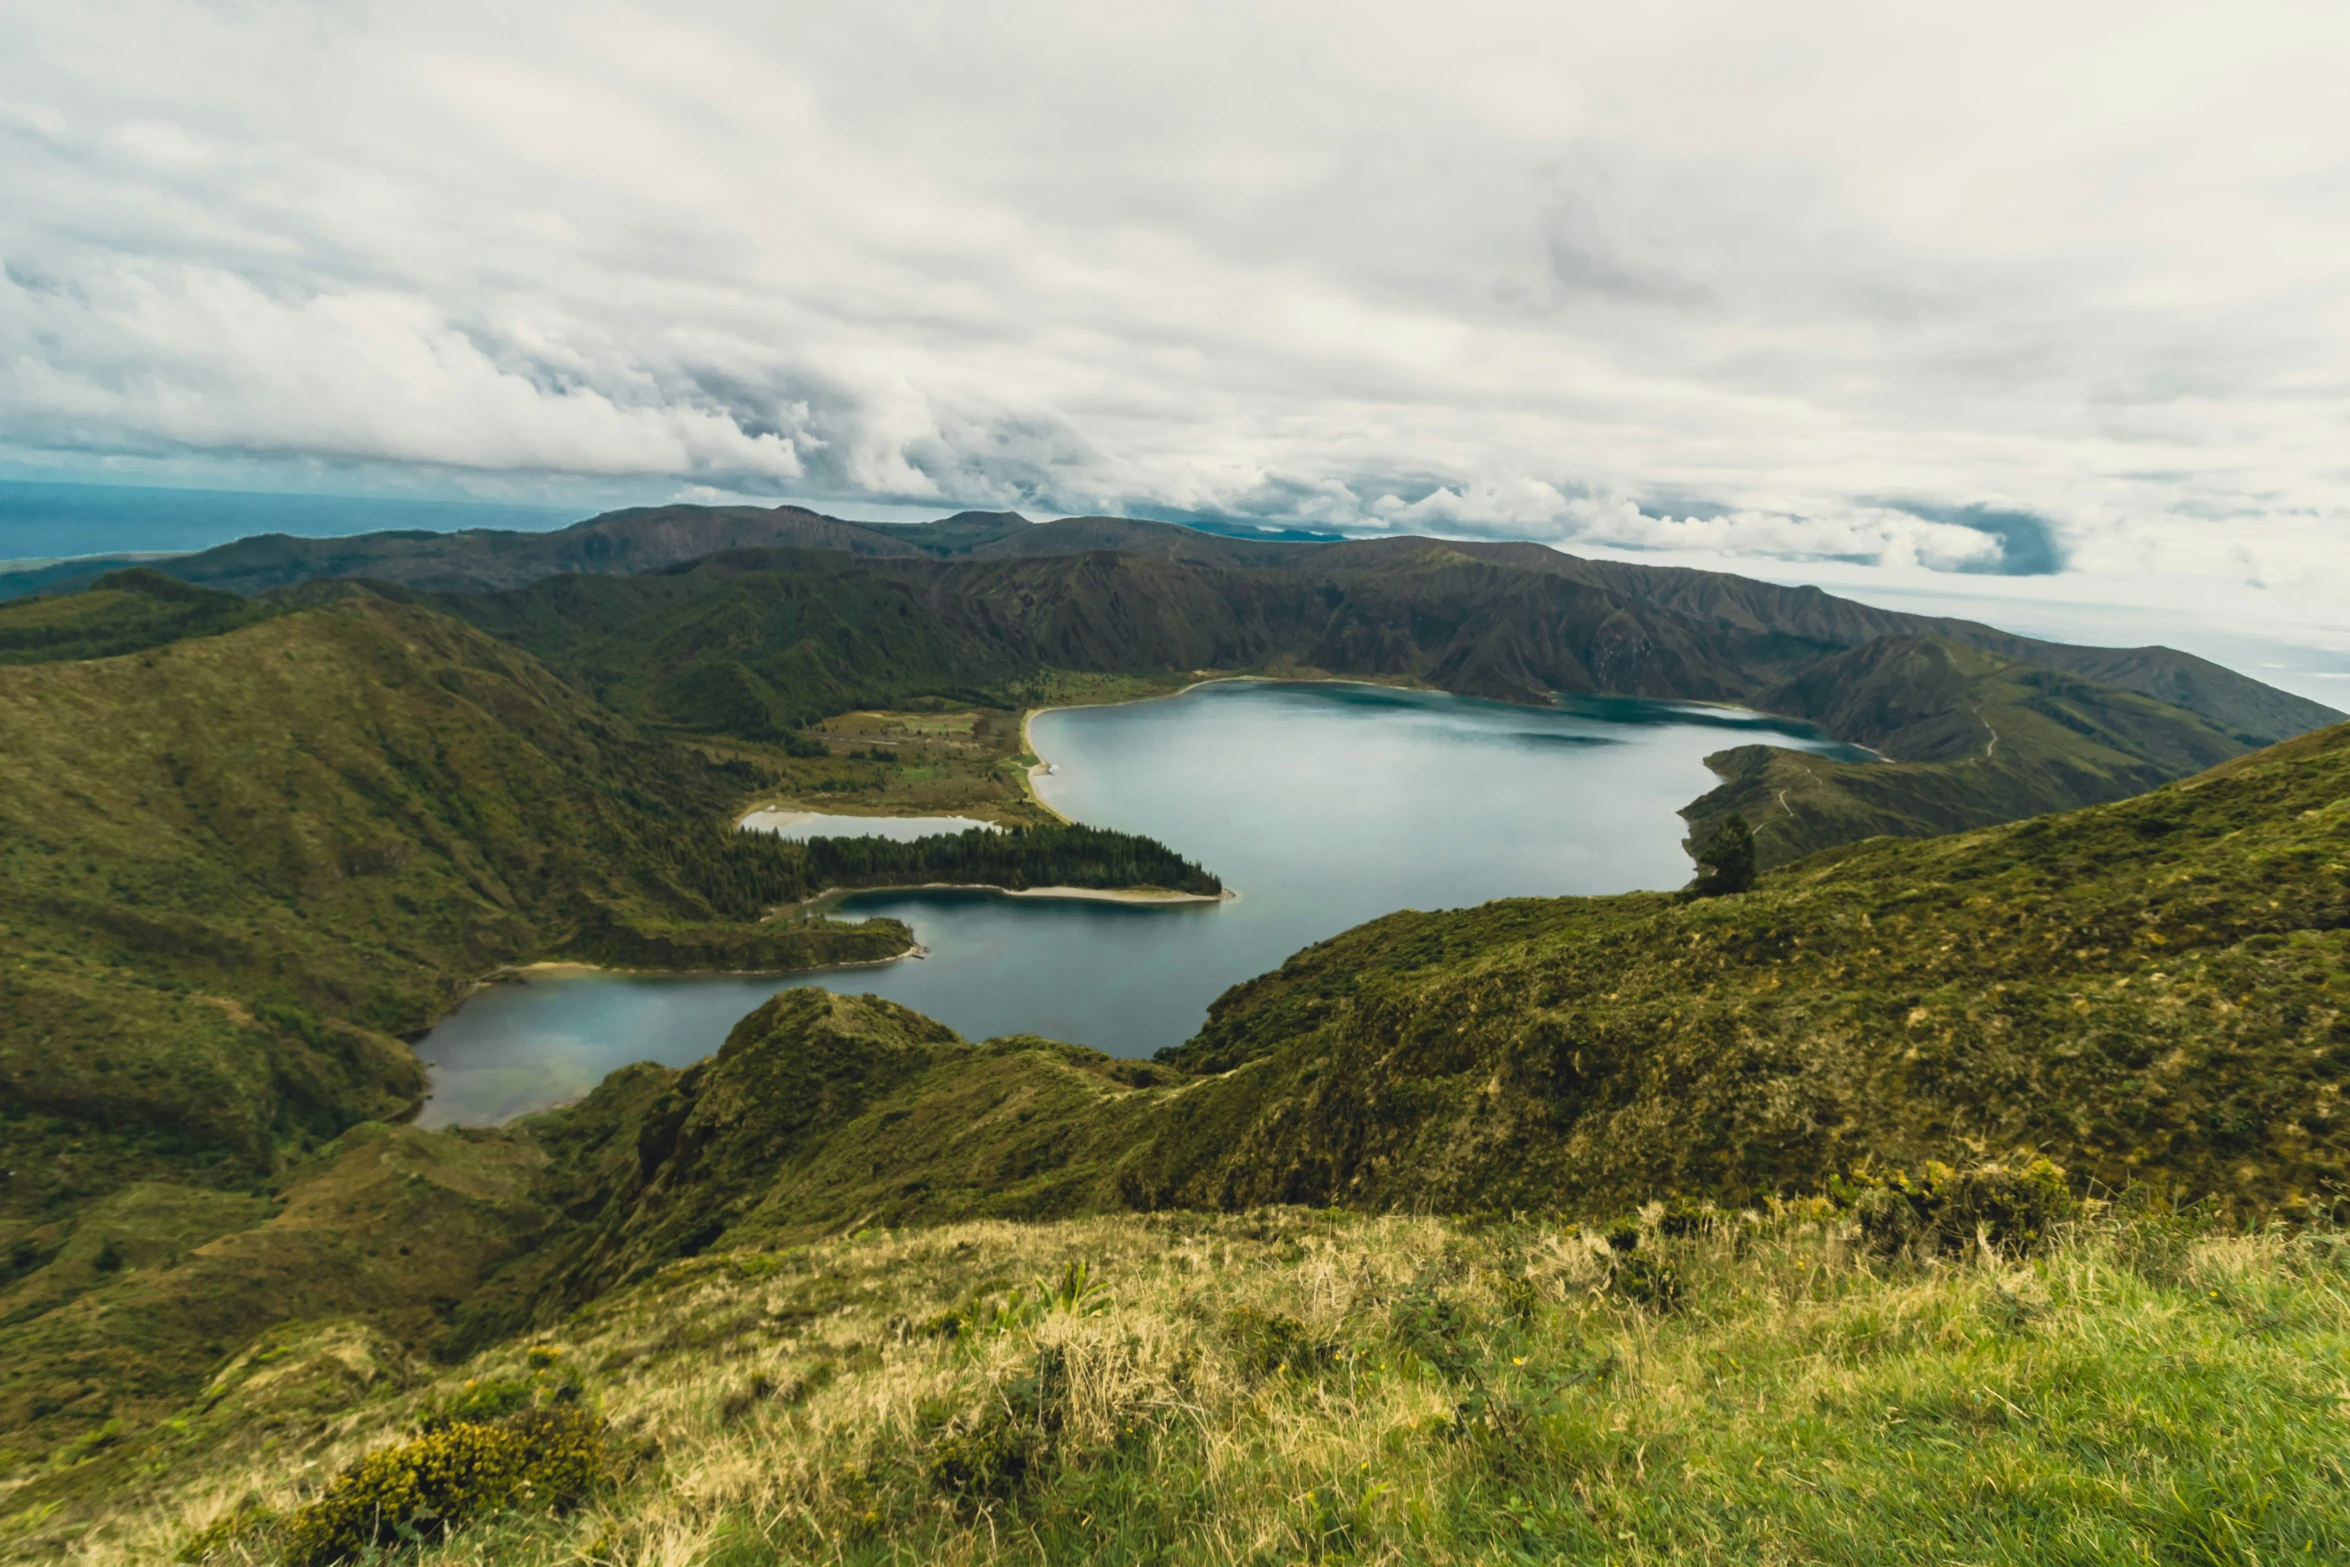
(1999, 299)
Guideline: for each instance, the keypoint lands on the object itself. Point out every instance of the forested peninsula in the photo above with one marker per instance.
(1015, 860)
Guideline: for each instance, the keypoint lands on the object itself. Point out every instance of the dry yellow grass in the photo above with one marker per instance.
(1288, 1386)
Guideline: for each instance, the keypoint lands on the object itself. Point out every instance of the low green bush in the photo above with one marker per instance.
(994, 1452)
(1941, 1211)
(486, 1400)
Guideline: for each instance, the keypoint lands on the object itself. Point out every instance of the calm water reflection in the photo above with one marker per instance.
(1321, 805)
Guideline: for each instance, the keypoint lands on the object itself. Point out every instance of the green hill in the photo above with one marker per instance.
(1973, 738)
(238, 864)
(121, 612)
(788, 1268)
(755, 643)
(2148, 992)
(2151, 993)
(752, 623)
(1768, 631)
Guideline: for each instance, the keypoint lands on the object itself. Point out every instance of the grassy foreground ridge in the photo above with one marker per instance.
(1286, 1386)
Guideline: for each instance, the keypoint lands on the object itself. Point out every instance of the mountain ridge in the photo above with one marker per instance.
(1797, 623)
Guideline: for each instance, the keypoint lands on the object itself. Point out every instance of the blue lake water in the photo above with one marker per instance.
(1320, 805)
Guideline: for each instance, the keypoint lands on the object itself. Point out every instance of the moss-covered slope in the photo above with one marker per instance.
(159, 1284)
(821, 1113)
(121, 612)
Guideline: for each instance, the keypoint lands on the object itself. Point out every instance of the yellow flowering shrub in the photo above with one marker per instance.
(546, 1457)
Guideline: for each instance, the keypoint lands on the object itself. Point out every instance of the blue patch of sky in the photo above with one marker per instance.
(2028, 543)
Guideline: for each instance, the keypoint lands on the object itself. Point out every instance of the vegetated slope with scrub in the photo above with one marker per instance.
(2152, 992)
(750, 623)
(1972, 737)
(122, 612)
(755, 643)
(1292, 1386)
(237, 864)
(1772, 630)
(2156, 990)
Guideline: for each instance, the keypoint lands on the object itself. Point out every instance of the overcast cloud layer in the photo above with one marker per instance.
(1994, 288)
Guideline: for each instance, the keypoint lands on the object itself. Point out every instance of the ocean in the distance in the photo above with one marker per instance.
(45, 521)
(1321, 806)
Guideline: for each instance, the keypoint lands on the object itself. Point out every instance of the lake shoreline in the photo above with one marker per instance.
(551, 968)
(1342, 800)
(1042, 768)
(1145, 897)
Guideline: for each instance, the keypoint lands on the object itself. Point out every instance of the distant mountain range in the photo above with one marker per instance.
(751, 622)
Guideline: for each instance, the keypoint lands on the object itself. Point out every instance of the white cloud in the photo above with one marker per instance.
(1689, 277)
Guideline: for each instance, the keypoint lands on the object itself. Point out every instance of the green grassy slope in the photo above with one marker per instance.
(122, 612)
(1292, 1387)
(1797, 624)
(386, 1225)
(640, 539)
(753, 643)
(2153, 991)
(237, 863)
(1975, 738)
(1775, 629)
(797, 617)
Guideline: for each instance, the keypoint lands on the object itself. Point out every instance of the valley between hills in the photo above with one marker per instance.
(1966, 1184)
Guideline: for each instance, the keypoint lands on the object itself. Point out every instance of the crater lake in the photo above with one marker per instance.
(1321, 805)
